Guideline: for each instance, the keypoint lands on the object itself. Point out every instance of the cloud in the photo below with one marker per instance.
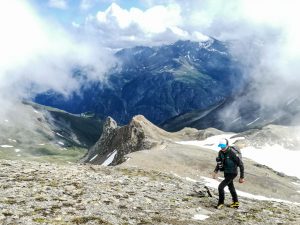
(59, 4)
(264, 36)
(88, 4)
(119, 28)
(38, 55)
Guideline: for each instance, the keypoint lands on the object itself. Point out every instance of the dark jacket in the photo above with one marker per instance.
(230, 162)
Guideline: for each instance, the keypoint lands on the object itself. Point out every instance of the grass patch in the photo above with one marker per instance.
(47, 153)
(86, 219)
(39, 220)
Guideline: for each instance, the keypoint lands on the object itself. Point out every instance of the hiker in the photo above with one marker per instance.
(228, 160)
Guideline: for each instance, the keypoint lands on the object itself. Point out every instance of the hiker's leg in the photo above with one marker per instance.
(221, 192)
(232, 189)
(221, 187)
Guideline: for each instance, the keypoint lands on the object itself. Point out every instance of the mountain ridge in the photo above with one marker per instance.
(158, 82)
(34, 132)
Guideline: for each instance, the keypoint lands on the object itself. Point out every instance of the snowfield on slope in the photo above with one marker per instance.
(274, 156)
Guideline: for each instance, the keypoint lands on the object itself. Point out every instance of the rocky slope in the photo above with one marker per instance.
(143, 145)
(31, 131)
(159, 181)
(41, 193)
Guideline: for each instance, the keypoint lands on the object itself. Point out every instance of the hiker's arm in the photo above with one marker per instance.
(214, 174)
(217, 166)
(241, 165)
(216, 169)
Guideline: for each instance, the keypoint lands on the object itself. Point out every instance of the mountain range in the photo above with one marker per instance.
(157, 82)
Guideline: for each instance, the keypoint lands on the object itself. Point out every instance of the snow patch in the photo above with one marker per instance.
(154, 54)
(200, 217)
(282, 160)
(253, 121)
(287, 164)
(12, 140)
(214, 184)
(235, 120)
(206, 44)
(110, 159)
(212, 142)
(61, 143)
(298, 184)
(93, 158)
(6, 146)
(59, 134)
(17, 150)
(190, 179)
(36, 111)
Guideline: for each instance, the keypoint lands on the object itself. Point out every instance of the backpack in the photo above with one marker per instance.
(237, 152)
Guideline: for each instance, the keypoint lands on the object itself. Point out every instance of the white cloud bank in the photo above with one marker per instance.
(160, 24)
(37, 55)
(168, 20)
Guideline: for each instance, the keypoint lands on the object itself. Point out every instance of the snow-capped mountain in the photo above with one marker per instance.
(158, 82)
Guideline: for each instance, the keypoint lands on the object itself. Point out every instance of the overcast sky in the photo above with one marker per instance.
(42, 41)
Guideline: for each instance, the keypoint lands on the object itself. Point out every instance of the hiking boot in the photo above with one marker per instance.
(234, 205)
(219, 206)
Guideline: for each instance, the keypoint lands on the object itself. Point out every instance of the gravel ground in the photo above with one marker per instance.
(44, 193)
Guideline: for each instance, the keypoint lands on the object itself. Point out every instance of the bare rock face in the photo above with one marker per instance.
(116, 142)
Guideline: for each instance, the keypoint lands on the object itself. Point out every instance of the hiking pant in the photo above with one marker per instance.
(228, 181)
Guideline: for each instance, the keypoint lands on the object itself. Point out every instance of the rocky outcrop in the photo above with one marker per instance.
(38, 193)
(140, 134)
(116, 142)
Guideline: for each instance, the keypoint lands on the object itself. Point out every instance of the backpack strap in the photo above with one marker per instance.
(236, 157)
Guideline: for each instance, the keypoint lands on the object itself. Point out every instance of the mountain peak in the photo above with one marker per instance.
(116, 142)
